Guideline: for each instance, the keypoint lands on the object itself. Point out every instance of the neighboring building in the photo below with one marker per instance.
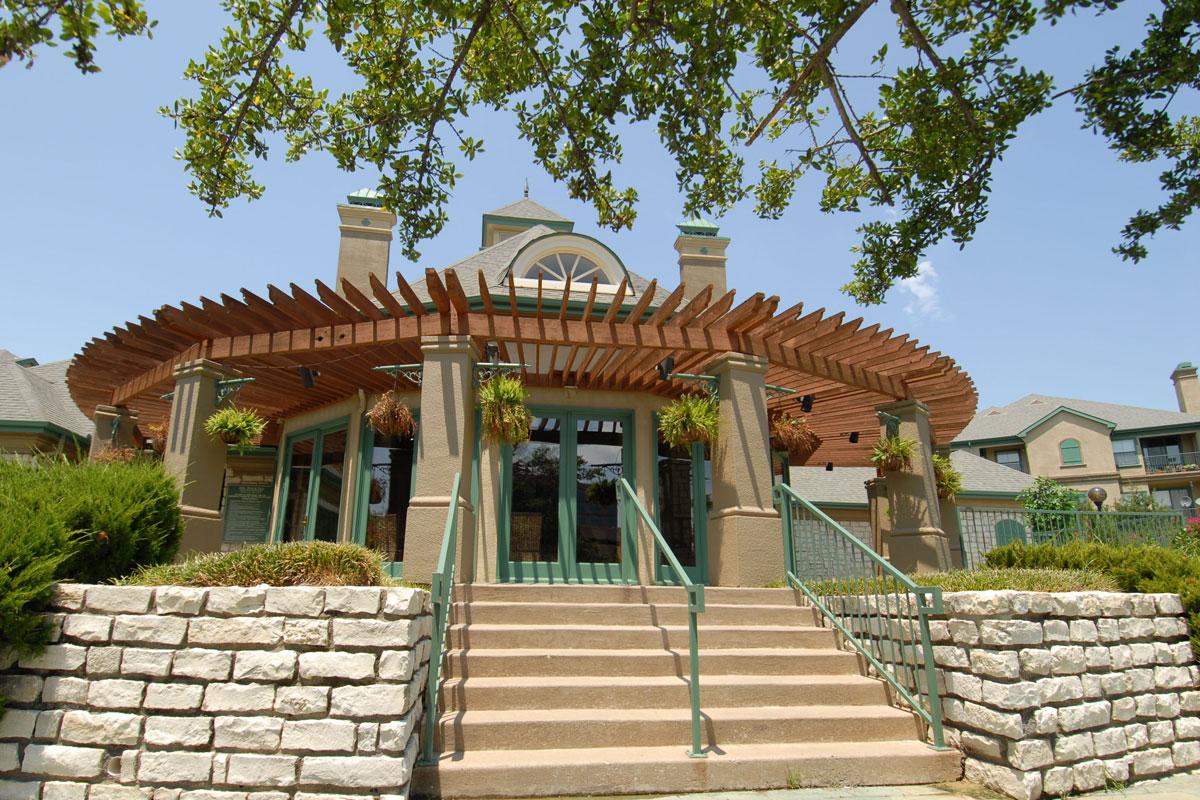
(37, 414)
(1084, 443)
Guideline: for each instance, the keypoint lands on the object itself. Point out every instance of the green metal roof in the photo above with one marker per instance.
(698, 226)
(365, 197)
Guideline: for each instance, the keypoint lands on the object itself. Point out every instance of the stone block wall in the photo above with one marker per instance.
(174, 693)
(1048, 694)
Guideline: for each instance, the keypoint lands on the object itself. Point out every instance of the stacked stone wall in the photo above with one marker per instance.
(176, 693)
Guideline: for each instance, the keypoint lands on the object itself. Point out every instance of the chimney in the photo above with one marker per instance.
(1187, 387)
(366, 228)
(701, 257)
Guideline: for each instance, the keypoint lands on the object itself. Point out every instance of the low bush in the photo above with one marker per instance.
(1020, 580)
(292, 564)
(1135, 568)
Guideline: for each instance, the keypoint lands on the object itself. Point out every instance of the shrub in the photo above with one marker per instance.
(291, 564)
(504, 415)
(689, 419)
(235, 426)
(947, 478)
(1136, 568)
(893, 454)
(1047, 494)
(1139, 502)
(1020, 579)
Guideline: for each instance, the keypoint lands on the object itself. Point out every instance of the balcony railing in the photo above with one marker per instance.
(1174, 462)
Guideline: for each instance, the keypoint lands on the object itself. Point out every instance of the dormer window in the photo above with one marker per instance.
(557, 266)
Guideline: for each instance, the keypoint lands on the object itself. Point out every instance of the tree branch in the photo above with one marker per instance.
(818, 58)
(918, 37)
(835, 92)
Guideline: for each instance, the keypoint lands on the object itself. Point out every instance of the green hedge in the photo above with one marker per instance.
(1136, 568)
(90, 523)
(291, 564)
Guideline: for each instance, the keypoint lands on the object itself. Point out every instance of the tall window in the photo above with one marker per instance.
(557, 266)
(1070, 452)
(392, 460)
(1125, 452)
(1011, 459)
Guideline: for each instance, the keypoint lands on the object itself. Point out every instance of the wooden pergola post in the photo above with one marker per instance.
(195, 459)
(745, 537)
(917, 542)
(114, 429)
(445, 444)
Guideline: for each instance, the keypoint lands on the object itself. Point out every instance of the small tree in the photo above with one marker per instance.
(1048, 495)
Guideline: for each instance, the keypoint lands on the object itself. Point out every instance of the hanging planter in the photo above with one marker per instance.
(504, 415)
(376, 493)
(893, 454)
(947, 478)
(239, 427)
(689, 419)
(391, 416)
(793, 435)
(157, 436)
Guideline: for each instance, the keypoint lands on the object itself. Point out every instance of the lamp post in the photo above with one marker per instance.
(1097, 495)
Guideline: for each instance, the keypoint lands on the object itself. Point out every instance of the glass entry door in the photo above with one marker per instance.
(561, 509)
(684, 489)
(314, 476)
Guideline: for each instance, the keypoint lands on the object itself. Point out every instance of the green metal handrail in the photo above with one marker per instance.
(695, 595)
(441, 585)
(867, 600)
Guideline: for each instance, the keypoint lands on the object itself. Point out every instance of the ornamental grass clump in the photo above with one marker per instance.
(505, 417)
(290, 564)
(793, 435)
(689, 419)
(239, 427)
(391, 416)
(894, 454)
(947, 478)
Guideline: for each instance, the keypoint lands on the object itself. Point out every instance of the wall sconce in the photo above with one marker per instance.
(853, 437)
(308, 377)
(492, 352)
(829, 466)
(806, 403)
(665, 368)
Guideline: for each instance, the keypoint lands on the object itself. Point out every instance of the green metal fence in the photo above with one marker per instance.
(878, 610)
(441, 587)
(983, 528)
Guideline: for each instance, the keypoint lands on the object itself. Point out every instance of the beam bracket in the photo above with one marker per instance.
(712, 382)
(486, 370)
(229, 388)
(410, 372)
(774, 391)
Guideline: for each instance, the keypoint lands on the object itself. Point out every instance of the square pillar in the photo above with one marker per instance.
(445, 445)
(917, 542)
(114, 429)
(196, 460)
(745, 534)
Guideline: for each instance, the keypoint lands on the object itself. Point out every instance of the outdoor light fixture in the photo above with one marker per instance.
(666, 367)
(829, 466)
(853, 437)
(492, 351)
(806, 403)
(1097, 495)
(308, 377)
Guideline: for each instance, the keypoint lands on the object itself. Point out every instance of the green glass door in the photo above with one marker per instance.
(561, 514)
(683, 484)
(386, 484)
(314, 473)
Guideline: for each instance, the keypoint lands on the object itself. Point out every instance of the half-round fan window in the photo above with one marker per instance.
(557, 266)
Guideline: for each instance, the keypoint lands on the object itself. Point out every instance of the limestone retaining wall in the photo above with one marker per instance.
(1048, 694)
(174, 693)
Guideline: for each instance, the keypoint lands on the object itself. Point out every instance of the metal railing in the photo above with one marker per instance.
(982, 529)
(878, 610)
(441, 586)
(695, 597)
(1173, 462)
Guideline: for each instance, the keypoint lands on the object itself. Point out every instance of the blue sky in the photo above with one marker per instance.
(97, 227)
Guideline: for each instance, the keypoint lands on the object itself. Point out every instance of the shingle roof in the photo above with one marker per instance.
(1008, 421)
(981, 475)
(528, 209)
(39, 394)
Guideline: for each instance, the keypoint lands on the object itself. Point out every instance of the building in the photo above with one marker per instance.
(1084, 443)
(37, 414)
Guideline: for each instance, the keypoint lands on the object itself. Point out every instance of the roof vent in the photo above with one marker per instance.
(993, 413)
(1037, 402)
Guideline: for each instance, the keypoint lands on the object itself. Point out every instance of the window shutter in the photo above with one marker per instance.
(1069, 449)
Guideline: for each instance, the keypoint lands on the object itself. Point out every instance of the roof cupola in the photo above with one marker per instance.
(701, 256)
(507, 221)
(366, 240)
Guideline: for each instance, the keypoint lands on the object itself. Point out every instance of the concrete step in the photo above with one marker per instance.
(663, 770)
(626, 637)
(667, 691)
(597, 593)
(656, 661)
(532, 729)
(521, 613)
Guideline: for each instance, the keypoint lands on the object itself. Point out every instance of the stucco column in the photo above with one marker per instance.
(745, 535)
(445, 442)
(114, 429)
(917, 542)
(195, 459)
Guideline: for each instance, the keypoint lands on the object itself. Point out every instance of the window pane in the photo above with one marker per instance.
(676, 504)
(295, 507)
(533, 521)
(1010, 458)
(329, 487)
(599, 466)
(391, 487)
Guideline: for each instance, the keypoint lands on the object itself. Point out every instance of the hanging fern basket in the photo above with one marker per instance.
(688, 420)
(391, 416)
(893, 454)
(793, 435)
(504, 415)
(239, 427)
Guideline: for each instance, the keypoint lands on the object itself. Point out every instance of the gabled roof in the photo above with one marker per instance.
(527, 209)
(982, 476)
(1008, 422)
(39, 394)
(1066, 410)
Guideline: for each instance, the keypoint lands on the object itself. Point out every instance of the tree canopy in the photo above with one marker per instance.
(913, 129)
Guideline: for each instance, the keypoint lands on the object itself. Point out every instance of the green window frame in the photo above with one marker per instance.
(317, 433)
(1070, 451)
(366, 442)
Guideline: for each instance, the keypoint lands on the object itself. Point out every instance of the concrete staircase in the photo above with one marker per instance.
(579, 690)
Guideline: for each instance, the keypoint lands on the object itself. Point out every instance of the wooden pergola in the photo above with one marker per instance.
(608, 342)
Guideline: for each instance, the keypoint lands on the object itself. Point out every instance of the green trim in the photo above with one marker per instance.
(998, 441)
(1183, 427)
(820, 504)
(559, 226)
(317, 433)
(548, 236)
(1066, 409)
(996, 495)
(48, 428)
(261, 451)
